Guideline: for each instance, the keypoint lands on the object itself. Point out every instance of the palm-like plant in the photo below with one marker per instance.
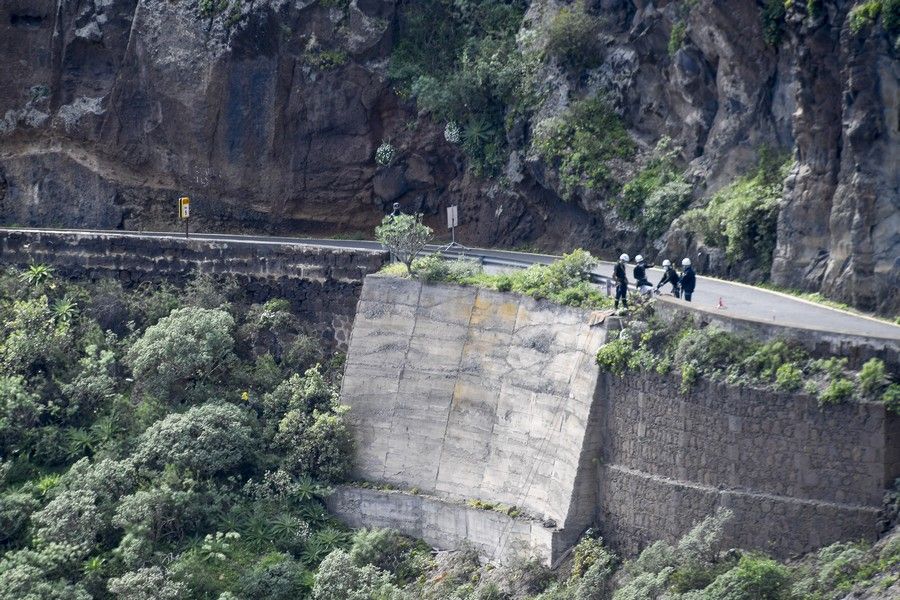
(64, 309)
(314, 514)
(37, 274)
(256, 530)
(81, 443)
(104, 430)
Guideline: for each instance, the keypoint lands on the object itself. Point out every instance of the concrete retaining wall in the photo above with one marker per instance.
(445, 524)
(465, 393)
(322, 284)
(472, 394)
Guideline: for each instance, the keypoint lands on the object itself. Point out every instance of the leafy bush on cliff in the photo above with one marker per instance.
(742, 217)
(565, 281)
(459, 60)
(190, 347)
(572, 37)
(581, 142)
(711, 353)
(657, 193)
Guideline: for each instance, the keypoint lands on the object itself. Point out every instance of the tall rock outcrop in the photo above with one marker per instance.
(268, 113)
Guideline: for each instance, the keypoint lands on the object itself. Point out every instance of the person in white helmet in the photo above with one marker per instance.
(670, 276)
(688, 279)
(621, 279)
(640, 276)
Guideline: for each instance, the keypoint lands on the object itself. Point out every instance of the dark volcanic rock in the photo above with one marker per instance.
(269, 118)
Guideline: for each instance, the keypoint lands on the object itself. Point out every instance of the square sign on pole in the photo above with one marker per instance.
(184, 207)
(184, 213)
(452, 217)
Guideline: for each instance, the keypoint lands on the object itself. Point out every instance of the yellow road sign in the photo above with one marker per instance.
(184, 207)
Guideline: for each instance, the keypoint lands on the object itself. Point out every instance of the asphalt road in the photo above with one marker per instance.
(737, 300)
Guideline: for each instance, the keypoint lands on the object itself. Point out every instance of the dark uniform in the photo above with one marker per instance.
(670, 276)
(621, 284)
(640, 276)
(688, 282)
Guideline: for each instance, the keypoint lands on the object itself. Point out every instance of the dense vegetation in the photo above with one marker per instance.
(162, 443)
(460, 61)
(649, 344)
(566, 281)
(742, 218)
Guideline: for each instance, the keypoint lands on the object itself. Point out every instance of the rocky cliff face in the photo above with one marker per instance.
(268, 113)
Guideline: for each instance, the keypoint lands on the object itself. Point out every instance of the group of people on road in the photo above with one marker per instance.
(682, 283)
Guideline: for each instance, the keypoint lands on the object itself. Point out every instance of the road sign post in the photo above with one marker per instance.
(184, 213)
(453, 221)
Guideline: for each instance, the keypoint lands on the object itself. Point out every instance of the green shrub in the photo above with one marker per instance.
(591, 551)
(773, 21)
(580, 142)
(339, 578)
(689, 376)
(754, 578)
(677, 37)
(657, 194)
(764, 361)
(742, 217)
(872, 377)
(863, 16)
(789, 377)
(318, 445)
(891, 398)
(572, 37)
(461, 63)
(190, 346)
(208, 439)
(838, 390)
(613, 356)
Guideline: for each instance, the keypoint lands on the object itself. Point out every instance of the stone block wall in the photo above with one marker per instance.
(797, 476)
(322, 284)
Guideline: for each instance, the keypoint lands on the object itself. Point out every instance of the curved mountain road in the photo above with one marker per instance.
(738, 301)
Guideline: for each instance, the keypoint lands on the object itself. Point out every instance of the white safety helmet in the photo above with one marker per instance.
(638, 258)
(686, 262)
(667, 263)
(624, 257)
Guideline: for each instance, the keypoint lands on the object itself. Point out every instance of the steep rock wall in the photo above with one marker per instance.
(269, 113)
(461, 394)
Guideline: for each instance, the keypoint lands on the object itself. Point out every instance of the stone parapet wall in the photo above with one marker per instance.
(322, 284)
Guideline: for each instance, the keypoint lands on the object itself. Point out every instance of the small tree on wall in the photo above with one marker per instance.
(405, 236)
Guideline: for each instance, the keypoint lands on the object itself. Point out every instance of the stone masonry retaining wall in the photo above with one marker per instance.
(797, 476)
(322, 284)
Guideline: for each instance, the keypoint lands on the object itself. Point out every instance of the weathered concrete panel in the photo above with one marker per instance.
(444, 524)
(491, 398)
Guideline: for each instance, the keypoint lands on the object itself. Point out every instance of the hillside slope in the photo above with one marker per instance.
(542, 119)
